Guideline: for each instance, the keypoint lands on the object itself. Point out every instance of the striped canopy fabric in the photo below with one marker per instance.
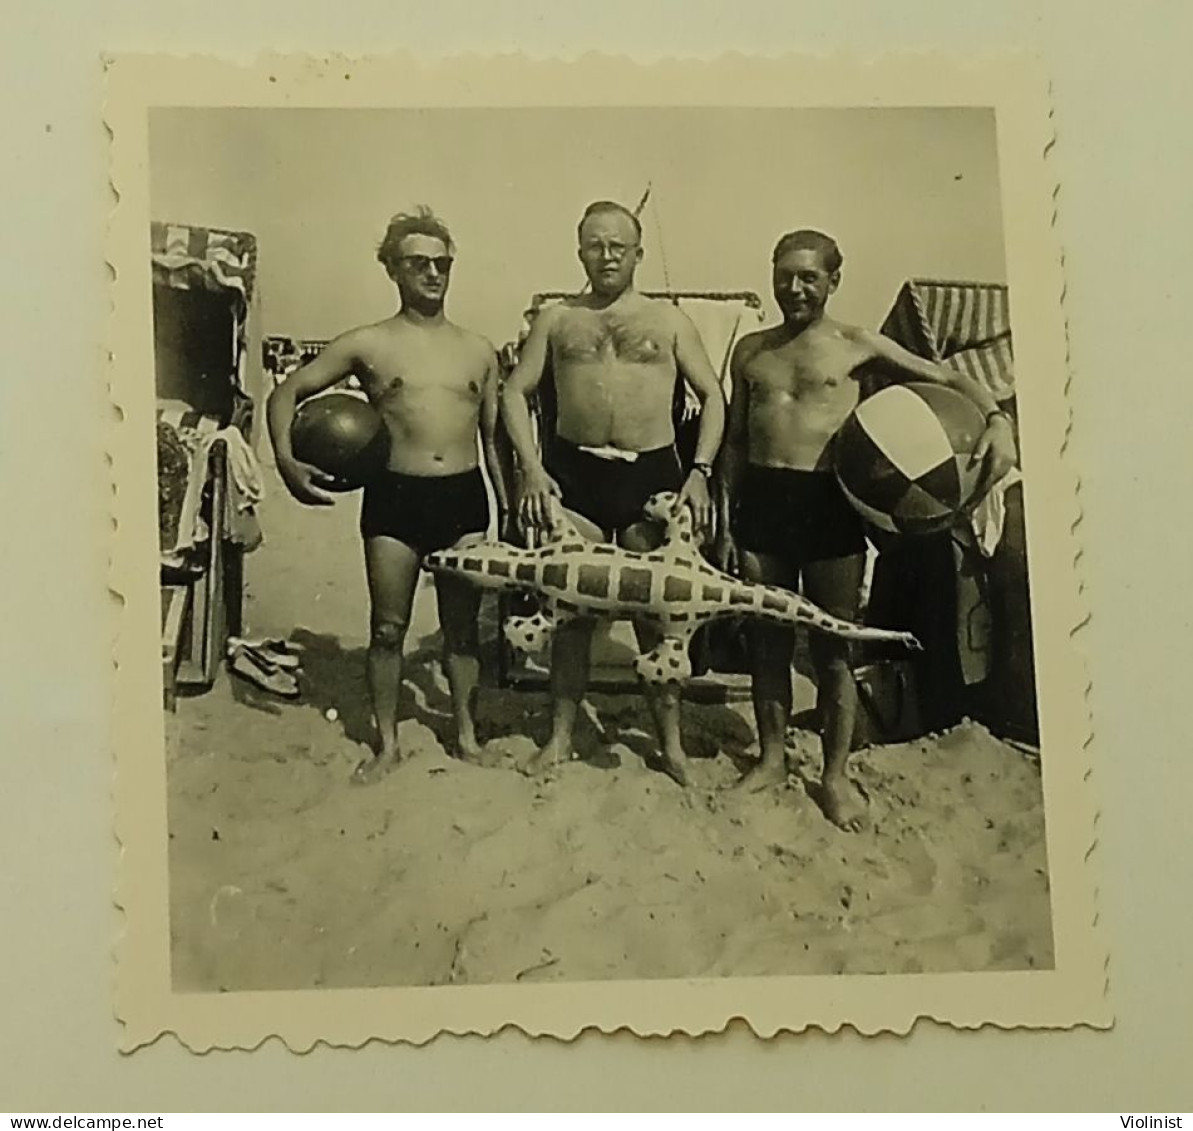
(194, 258)
(966, 326)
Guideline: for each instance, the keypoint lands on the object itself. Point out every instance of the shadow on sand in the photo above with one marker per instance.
(334, 676)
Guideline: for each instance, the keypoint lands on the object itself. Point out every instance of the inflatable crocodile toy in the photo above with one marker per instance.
(672, 587)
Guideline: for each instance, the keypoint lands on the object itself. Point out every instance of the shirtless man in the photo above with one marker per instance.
(615, 356)
(432, 382)
(786, 517)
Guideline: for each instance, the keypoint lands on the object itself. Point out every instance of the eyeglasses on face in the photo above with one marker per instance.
(422, 263)
(594, 250)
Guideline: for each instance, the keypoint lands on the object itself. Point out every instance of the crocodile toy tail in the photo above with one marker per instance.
(781, 606)
(488, 565)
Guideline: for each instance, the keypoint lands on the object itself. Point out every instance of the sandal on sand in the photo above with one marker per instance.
(247, 664)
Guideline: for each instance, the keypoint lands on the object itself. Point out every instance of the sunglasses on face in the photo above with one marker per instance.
(422, 263)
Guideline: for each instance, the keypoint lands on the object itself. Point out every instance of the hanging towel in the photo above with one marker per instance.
(246, 488)
(245, 484)
(988, 518)
(193, 430)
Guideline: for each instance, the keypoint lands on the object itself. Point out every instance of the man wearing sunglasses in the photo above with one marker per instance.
(614, 356)
(433, 383)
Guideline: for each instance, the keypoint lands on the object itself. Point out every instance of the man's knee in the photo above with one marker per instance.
(461, 636)
(831, 655)
(665, 695)
(389, 634)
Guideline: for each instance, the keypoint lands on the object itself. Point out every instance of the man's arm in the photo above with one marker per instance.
(337, 360)
(490, 413)
(537, 487)
(521, 383)
(734, 451)
(996, 447)
(697, 370)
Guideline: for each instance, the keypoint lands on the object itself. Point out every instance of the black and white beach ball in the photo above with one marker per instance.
(903, 457)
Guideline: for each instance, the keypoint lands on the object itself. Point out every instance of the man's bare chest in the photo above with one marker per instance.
(606, 338)
(394, 375)
(804, 369)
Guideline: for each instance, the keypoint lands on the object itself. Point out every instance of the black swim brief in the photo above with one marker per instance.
(608, 490)
(426, 512)
(797, 516)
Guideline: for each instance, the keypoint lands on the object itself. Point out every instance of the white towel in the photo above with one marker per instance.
(607, 451)
(989, 517)
(245, 489)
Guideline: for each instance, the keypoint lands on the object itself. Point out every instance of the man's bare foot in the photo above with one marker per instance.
(373, 769)
(554, 753)
(766, 774)
(675, 766)
(468, 749)
(842, 803)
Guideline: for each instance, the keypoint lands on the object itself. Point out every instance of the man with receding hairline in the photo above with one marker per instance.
(614, 356)
(785, 520)
(433, 383)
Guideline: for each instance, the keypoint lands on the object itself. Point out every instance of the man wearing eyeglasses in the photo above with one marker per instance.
(433, 383)
(614, 356)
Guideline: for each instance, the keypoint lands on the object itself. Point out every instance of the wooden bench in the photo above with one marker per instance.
(199, 613)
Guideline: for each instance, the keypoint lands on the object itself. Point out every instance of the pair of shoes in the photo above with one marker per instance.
(268, 670)
(279, 653)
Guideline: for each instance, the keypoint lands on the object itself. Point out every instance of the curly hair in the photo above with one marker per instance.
(806, 239)
(421, 222)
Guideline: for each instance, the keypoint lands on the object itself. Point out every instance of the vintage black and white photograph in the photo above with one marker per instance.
(592, 546)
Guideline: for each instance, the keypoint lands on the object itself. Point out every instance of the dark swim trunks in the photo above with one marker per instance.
(797, 516)
(611, 491)
(426, 512)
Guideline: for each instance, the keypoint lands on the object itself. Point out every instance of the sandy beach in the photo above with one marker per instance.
(283, 875)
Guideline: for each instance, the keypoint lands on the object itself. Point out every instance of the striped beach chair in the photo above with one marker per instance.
(200, 586)
(980, 656)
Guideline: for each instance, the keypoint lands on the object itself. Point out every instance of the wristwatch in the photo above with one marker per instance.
(999, 412)
(705, 469)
